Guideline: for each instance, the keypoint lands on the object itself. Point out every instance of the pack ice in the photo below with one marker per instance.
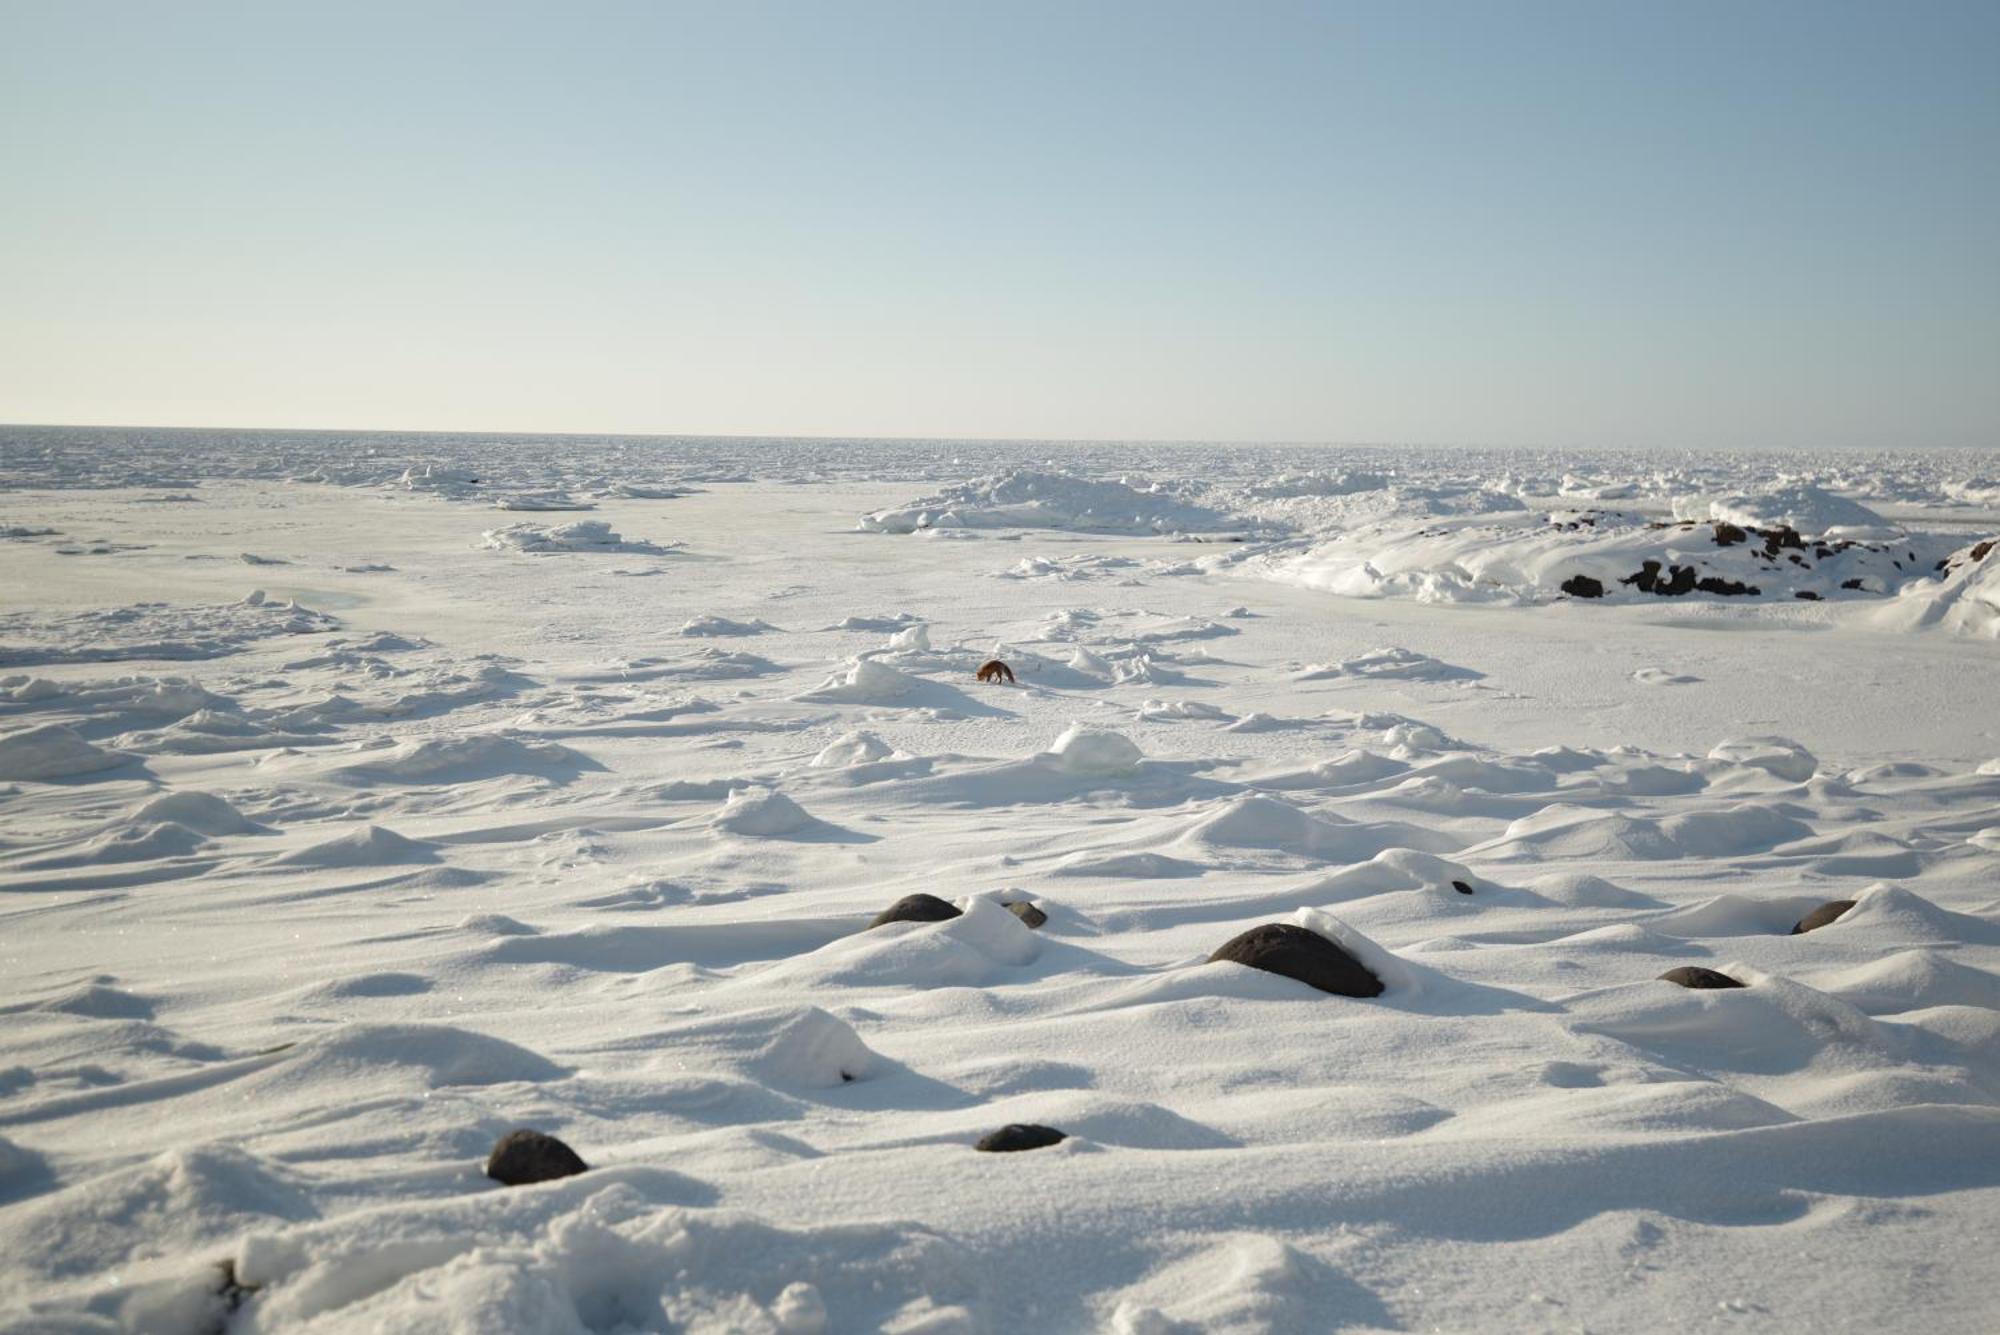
(1335, 923)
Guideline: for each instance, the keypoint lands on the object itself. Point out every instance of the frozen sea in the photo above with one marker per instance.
(364, 797)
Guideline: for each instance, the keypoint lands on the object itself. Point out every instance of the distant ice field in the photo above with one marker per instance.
(365, 797)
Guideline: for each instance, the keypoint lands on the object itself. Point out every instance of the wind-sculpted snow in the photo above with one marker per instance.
(1620, 555)
(306, 909)
(1030, 499)
(152, 631)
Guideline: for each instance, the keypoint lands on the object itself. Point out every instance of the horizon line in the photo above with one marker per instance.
(856, 438)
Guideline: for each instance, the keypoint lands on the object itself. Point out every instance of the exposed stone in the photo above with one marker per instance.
(1294, 952)
(1693, 975)
(1026, 912)
(917, 908)
(1019, 1136)
(1822, 916)
(1461, 887)
(1728, 535)
(522, 1157)
(1806, 594)
(1583, 586)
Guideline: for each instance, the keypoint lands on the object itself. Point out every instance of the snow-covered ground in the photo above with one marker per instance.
(349, 821)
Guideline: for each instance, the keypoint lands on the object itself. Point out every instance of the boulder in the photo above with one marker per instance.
(1019, 1136)
(1294, 952)
(1461, 887)
(1583, 586)
(1026, 912)
(917, 908)
(522, 1157)
(1825, 914)
(1693, 975)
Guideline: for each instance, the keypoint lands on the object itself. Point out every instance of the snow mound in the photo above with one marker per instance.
(863, 681)
(1778, 756)
(853, 748)
(980, 947)
(468, 759)
(1913, 979)
(1026, 498)
(434, 1056)
(52, 751)
(585, 535)
(1086, 750)
(178, 1201)
(369, 846)
(1964, 595)
(706, 625)
(145, 631)
(1162, 711)
(611, 1250)
(787, 1048)
(1805, 509)
(1140, 866)
(1391, 664)
(1563, 830)
(1266, 824)
(760, 812)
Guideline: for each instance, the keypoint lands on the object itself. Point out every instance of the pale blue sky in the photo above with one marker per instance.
(1547, 223)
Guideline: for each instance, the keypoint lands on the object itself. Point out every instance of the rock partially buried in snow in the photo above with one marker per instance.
(1295, 952)
(1083, 749)
(1019, 1136)
(1823, 916)
(1026, 912)
(917, 908)
(1694, 976)
(524, 1157)
(760, 812)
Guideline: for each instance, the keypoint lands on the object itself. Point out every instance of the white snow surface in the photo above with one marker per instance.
(311, 895)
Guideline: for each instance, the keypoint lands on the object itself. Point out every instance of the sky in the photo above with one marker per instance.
(1671, 224)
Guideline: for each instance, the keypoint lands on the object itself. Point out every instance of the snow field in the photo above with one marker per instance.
(298, 925)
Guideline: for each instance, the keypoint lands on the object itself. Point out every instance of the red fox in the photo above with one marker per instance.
(995, 670)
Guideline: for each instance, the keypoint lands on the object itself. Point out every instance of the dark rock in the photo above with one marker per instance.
(1980, 551)
(1019, 1136)
(1774, 538)
(1692, 975)
(1825, 914)
(1850, 584)
(1583, 586)
(1461, 887)
(1806, 594)
(1728, 588)
(231, 1290)
(1679, 585)
(1026, 912)
(521, 1157)
(917, 908)
(1294, 952)
(1646, 576)
(1728, 535)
